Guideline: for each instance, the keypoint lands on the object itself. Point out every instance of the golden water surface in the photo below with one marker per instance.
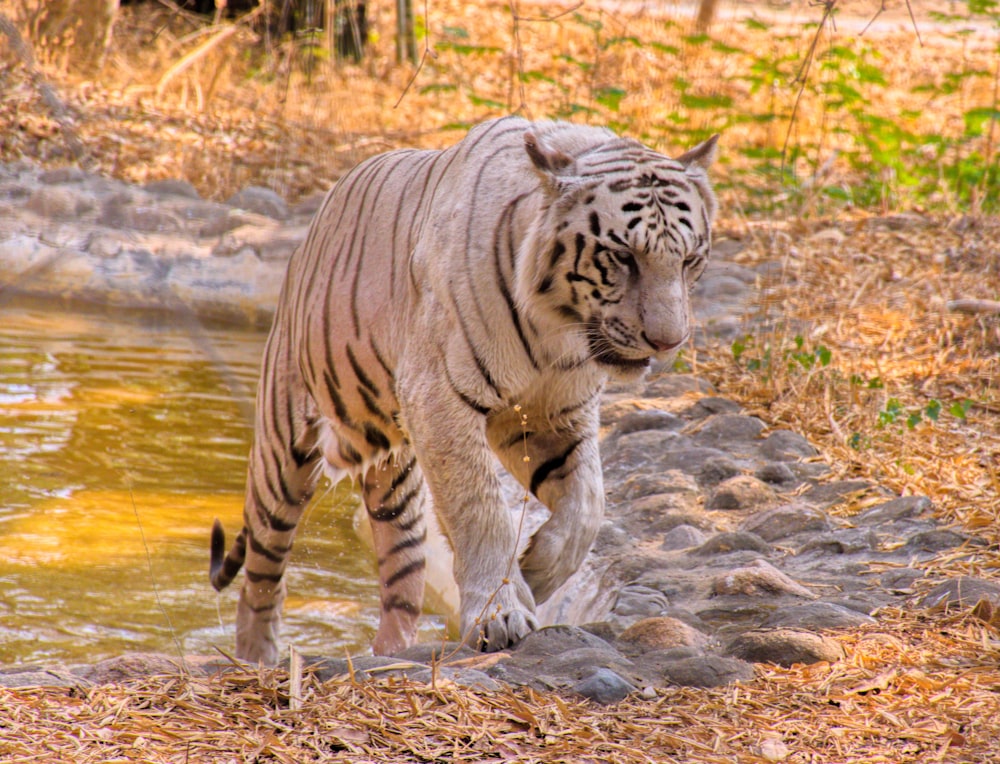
(121, 439)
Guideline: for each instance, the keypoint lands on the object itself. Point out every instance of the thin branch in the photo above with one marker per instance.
(553, 17)
(914, 21)
(803, 76)
(871, 21)
(423, 58)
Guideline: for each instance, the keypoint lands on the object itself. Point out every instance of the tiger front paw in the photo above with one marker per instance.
(500, 631)
(500, 621)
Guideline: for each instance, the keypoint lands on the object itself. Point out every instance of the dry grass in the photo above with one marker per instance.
(910, 690)
(919, 687)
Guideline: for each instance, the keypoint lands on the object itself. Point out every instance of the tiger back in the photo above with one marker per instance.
(448, 309)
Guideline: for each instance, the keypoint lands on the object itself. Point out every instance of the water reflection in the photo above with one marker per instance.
(120, 440)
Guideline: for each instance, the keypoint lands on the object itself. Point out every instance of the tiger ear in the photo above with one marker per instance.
(545, 158)
(701, 156)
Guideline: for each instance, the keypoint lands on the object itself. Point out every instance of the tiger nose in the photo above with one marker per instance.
(661, 345)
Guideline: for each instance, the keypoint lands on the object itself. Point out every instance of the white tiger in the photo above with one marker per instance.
(451, 305)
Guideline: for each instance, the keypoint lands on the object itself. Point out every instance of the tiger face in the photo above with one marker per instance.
(626, 234)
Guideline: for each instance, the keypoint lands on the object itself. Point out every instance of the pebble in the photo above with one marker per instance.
(719, 548)
(659, 634)
(756, 580)
(740, 492)
(604, 686)
(785, 647)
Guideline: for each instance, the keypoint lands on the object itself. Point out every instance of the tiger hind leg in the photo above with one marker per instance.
(395, 496)
(281, 477)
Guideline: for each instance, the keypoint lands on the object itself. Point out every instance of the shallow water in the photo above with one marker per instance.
(121, 439)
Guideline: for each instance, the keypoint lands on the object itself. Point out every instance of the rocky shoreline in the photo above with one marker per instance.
(720, 548)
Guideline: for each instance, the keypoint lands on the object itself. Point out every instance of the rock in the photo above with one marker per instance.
(842, 541)
(261, 200)
(709, 406)
(120, 212)
(645, 484)
(464, 677)
(965, 591)
(659, 634)
(817, 615)
(40, 676)
(580, 663)
(717, 469)
(787, 520)
(826, 495)
(784, 647)
(905, 507)
(785, 446)
(740, 492)
(58, 203)
(699, 671)
(62, 175)
(650, 419)
(760, 578)
(682, 537)
(604, 686)
(727, 429)
(436, 652)
(132, 667)
(726, 542)
(777, 474)
(937, 540)
(676, 385)
(172, 187)
(639, 600)
(554, 640)
(900, 580)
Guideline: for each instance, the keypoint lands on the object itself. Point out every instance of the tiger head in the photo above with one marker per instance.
(622, 235)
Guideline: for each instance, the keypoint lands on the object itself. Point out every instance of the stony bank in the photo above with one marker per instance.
(719, 549)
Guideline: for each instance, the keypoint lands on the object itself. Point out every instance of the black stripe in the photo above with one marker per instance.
(266, 517)
(405, 572)
(329, 378)
(557, 252)
(300, 457)
(395, 602)
(581, 243)
(387, 514)
(505, 291)
(372, 405)
(359, 372)
(480, 363)
(255, 578)
(474, 405)
(599, 266)
(548, 467)
(348, 453)
(595, 223)
(381, 360)
(262, 609)
(375, 437)
(398, 480)
(418, 165)
(515, 439)
(274, 555)
(410, 524)
(576, 406)
(407, 543)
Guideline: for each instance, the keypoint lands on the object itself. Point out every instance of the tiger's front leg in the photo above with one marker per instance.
(562, 468)
(395, 496)
(448, 433)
